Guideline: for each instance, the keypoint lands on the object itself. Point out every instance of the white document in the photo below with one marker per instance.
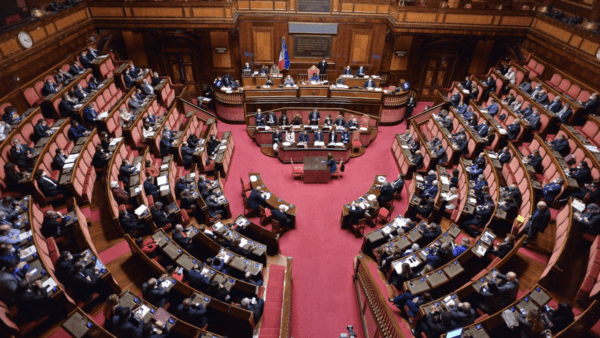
(24, 235)
(141, 210)
(164, 167)
(103, 115)
(115, 141)
(164, 187)
(364, 128)
(49, 284)
(339, 144)
(166, 283)
(445, 180)
(253, 178)
(243, 242)
(68, 165)
(162, 180)
(578, 205)
(29, 251)
(319, 143)
(72, 158)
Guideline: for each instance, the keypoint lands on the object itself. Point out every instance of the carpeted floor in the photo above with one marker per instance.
(323, 294)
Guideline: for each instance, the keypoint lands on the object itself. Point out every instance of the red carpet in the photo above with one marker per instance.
(271, 322)
(114, 252)
(324, 298)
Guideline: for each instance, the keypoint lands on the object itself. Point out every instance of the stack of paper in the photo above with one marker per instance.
(103, 115)
(49, 284)
(141, 210)
(578, 205)
(164, 187)
(72, 158)
(162, 180)
(24, 235)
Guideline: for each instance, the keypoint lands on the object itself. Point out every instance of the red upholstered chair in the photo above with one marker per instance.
(312, 70)
(276, 227)
(356, 145)
(338, 172)
(247, 209)
(297, 170)
(385, 214)
(245, 186)
(265, 214)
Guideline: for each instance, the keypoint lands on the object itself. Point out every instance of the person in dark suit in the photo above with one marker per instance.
(314, 117)
(480, 217)
(441, 154)
(398, 184)
(304, 137)
(49, 186)
(462, 144)
(62, 77)
(127, 79)
(194, 314)
(282, 217)
(565, 113)
(100, 158)
(50, 87)
(183, 237)
(589, 221)
(513, 130)
(332, 137)
(490, 83)
(410, 105)
(482, 129)
(322, 67)
(129, 222)
(76, 69)
(455, 99)
(256, 308)
(78, 93)
(504, 155)
(541, 98)
(318, 136)
(84, 283)
(196, 279)
(560, 144)
(360, 72)
(65, 265)
(369, 84)
(525, 86)
(160, 217)
(76, 131)
(340, 121)
(167, 147)
(581, 173)
(66, 107)
(151, 189)
(154, 293)
(90, 115)
(41, 130)
(127, 324)
(467, 84)
(259, 118)
(33, 301)
(555, 106)
(534, 160)
(284, 120)
(502, 249)
(591, 105)
(347, 71)
(255, 199)
(271, 119)
(54, 225)
(158, 329)
(534, 120)
(58, 162)
(462, 313)
(10, 115)
(126, 170)
(345, 136)
(187, 153)
(386, 194)
(23, 154)
(215, 208)
(538, 221)
(417, 159)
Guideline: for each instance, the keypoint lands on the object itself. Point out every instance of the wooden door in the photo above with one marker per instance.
(437, 73)
(180, 65)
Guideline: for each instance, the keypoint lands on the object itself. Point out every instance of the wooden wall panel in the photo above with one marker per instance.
(71, 20)
(263, 46)
(210, 12)
(10, 46)
(402, 43)
(261, 5)
(552, 30)
(107, 11)
(523, 21)
(482, 53)
(360, 49)
(134, 43)
(38, 34)
(469, 19)
(158, 12)
(220, 39)
(420, 17)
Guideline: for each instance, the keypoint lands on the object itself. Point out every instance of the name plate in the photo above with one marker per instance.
(312, 46)
(314, 6)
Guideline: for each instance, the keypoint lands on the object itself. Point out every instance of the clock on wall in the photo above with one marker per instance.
(25, 39)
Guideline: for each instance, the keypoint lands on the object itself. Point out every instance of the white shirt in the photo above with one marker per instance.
(290, 137)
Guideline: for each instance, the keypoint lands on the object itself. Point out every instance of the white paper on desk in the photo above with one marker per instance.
(103, 115)
(243, 242)
(364, 128)
(29, 251)
(399, 222)
(419, 178)
(224, 256)
(492, 155)
(25, 234)
(143, 310)
(77, 106)
(162, 180)
(386, 230)
(164, 187)
(371, 197)
(115, 141)
(592, 148)
(217, 225)
(378, 89)
(319, 143)
(473, 201)
(397, 266)
(100, 85)
(578, 205)
(381, 179)
(141, 210)
(445, 180)
(72, 158)
(138, 166)
(405, 146)
(502, 130)
(287, 144)
(49, 284)
(222, 147)
(164, 167)
(266, 195)
(253, 178)
(137, 189)
(481, 250)
(204, 99)
(166, 283)
(68, 165)
(285, 207)
(339, 144)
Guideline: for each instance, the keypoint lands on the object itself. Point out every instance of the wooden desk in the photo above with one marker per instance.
(374, 190)
(353, 81)
(273, 201)
(313, 90)
(251, 230)
(316, 169)
(224, 154)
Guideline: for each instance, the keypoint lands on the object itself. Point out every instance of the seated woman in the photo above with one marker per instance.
(269, 81)
(290, 136)
(297, 121)
(314, 77)
(328, 120)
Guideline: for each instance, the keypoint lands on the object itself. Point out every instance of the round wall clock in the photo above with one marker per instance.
(25, 39)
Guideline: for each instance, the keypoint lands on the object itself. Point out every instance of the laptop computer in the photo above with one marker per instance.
(455, 333)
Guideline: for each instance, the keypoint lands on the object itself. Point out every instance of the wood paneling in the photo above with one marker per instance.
(263, 46)
(553, 30)
(134, 43)
(10, 46)
(360, 49)
(38, 34)
(220, 39)
(365, 8)
(107, 11)
(523, 21)
(420, 17)
(482, 51)
(469, 19)
(402, 43)
(210, 12)
(71, 20)
(261, 5)
(158, 12)
(589, 46)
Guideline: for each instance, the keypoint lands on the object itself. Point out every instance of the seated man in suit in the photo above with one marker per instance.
(49, 186)
(182, 184)
(340, 121)
(480, 217)
(183, 237)
(430, 191)
(525, 86)
(256, 306)
(538, 221)
(216, 209)
(332, 137)
(492, 109)
(455, 99)
(313, 117)
(369, 84)
(167, 146)
(66, 107)
(84, 283)
(76, 131)
(259, 118)
(347, 71)
(360, 72)
(502, 249)
(54, 225)
(314, 77)
(255, 199)
(33, 302)
(271, 119)
(151, 189)
(58, 162)
(417, 159)
(135, 103)
(101, 158)
(534, 160)
(552, 189)
(129, 222)
(126, 170)
(246, 69)
(304, 137)
(10, 115)
(41, 130)
(352, 123)
(560, 144)
(482, 129)
(398, 184)
(581, 173)
(187, 153)
(126, 323)
(554, 106)
(284, 120)
(541, 97)
(147, 89)
(154, 293)
(386, 194)
(462, 313)
(289, 82)
(76, 69)
(565, 113)
(160, 217)
(193, 313)
(441, 154)
(462, 144)
(62, 77)
(345, 136)
(513, 130)
(509, 288)
(318, 136)
(504, 155)
(90, 115)
(490, 83)
(23, 154)
(591, 105)
(50, 87)
(280, 215)
(92, 53)
(120, 195)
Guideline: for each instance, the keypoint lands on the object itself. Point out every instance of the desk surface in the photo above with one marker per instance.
(317, 163)
(273, 200)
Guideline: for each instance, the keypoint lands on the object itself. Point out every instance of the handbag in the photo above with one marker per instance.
(343, 167)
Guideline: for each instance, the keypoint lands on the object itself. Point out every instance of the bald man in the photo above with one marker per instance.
(538, 221)
(509, 288)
